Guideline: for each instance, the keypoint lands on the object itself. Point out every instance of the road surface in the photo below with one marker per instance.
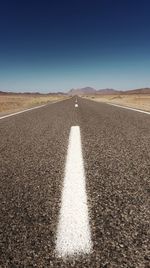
(74, 187)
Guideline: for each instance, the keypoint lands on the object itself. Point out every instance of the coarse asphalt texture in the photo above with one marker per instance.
(116, 151)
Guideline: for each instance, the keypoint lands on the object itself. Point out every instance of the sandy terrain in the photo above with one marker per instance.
(15, 102)
(138, 101)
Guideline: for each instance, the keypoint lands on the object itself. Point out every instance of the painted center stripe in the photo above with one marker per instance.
(73, 236)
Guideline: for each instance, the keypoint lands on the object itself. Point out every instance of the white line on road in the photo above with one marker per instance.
(20, 112)
(128, 108)
(26, 110)
(73, 234)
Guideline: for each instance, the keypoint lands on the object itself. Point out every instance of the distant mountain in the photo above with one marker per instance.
(31, 93)
(82, 91)
(91, 91)
(2, 92)
(138, 91)
(107, 91)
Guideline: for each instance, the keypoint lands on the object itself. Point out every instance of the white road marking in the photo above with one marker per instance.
(73, 234)
(26, 110)
(128, 108)
(20, 112)
(76, 105)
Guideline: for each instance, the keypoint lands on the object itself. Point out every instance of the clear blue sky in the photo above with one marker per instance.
(58, 45)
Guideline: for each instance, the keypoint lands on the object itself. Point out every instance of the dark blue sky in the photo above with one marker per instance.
(53, 45)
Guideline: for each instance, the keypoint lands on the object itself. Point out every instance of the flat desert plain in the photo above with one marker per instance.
(137, 101)
(10, 103)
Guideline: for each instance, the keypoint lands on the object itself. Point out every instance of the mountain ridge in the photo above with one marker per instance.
(84, 91)
(90, 91)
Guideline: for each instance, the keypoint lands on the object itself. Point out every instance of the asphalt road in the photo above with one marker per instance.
(116, 152)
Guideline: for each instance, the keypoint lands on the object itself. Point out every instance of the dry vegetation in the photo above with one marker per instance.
(16, 102)
(138, 101)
